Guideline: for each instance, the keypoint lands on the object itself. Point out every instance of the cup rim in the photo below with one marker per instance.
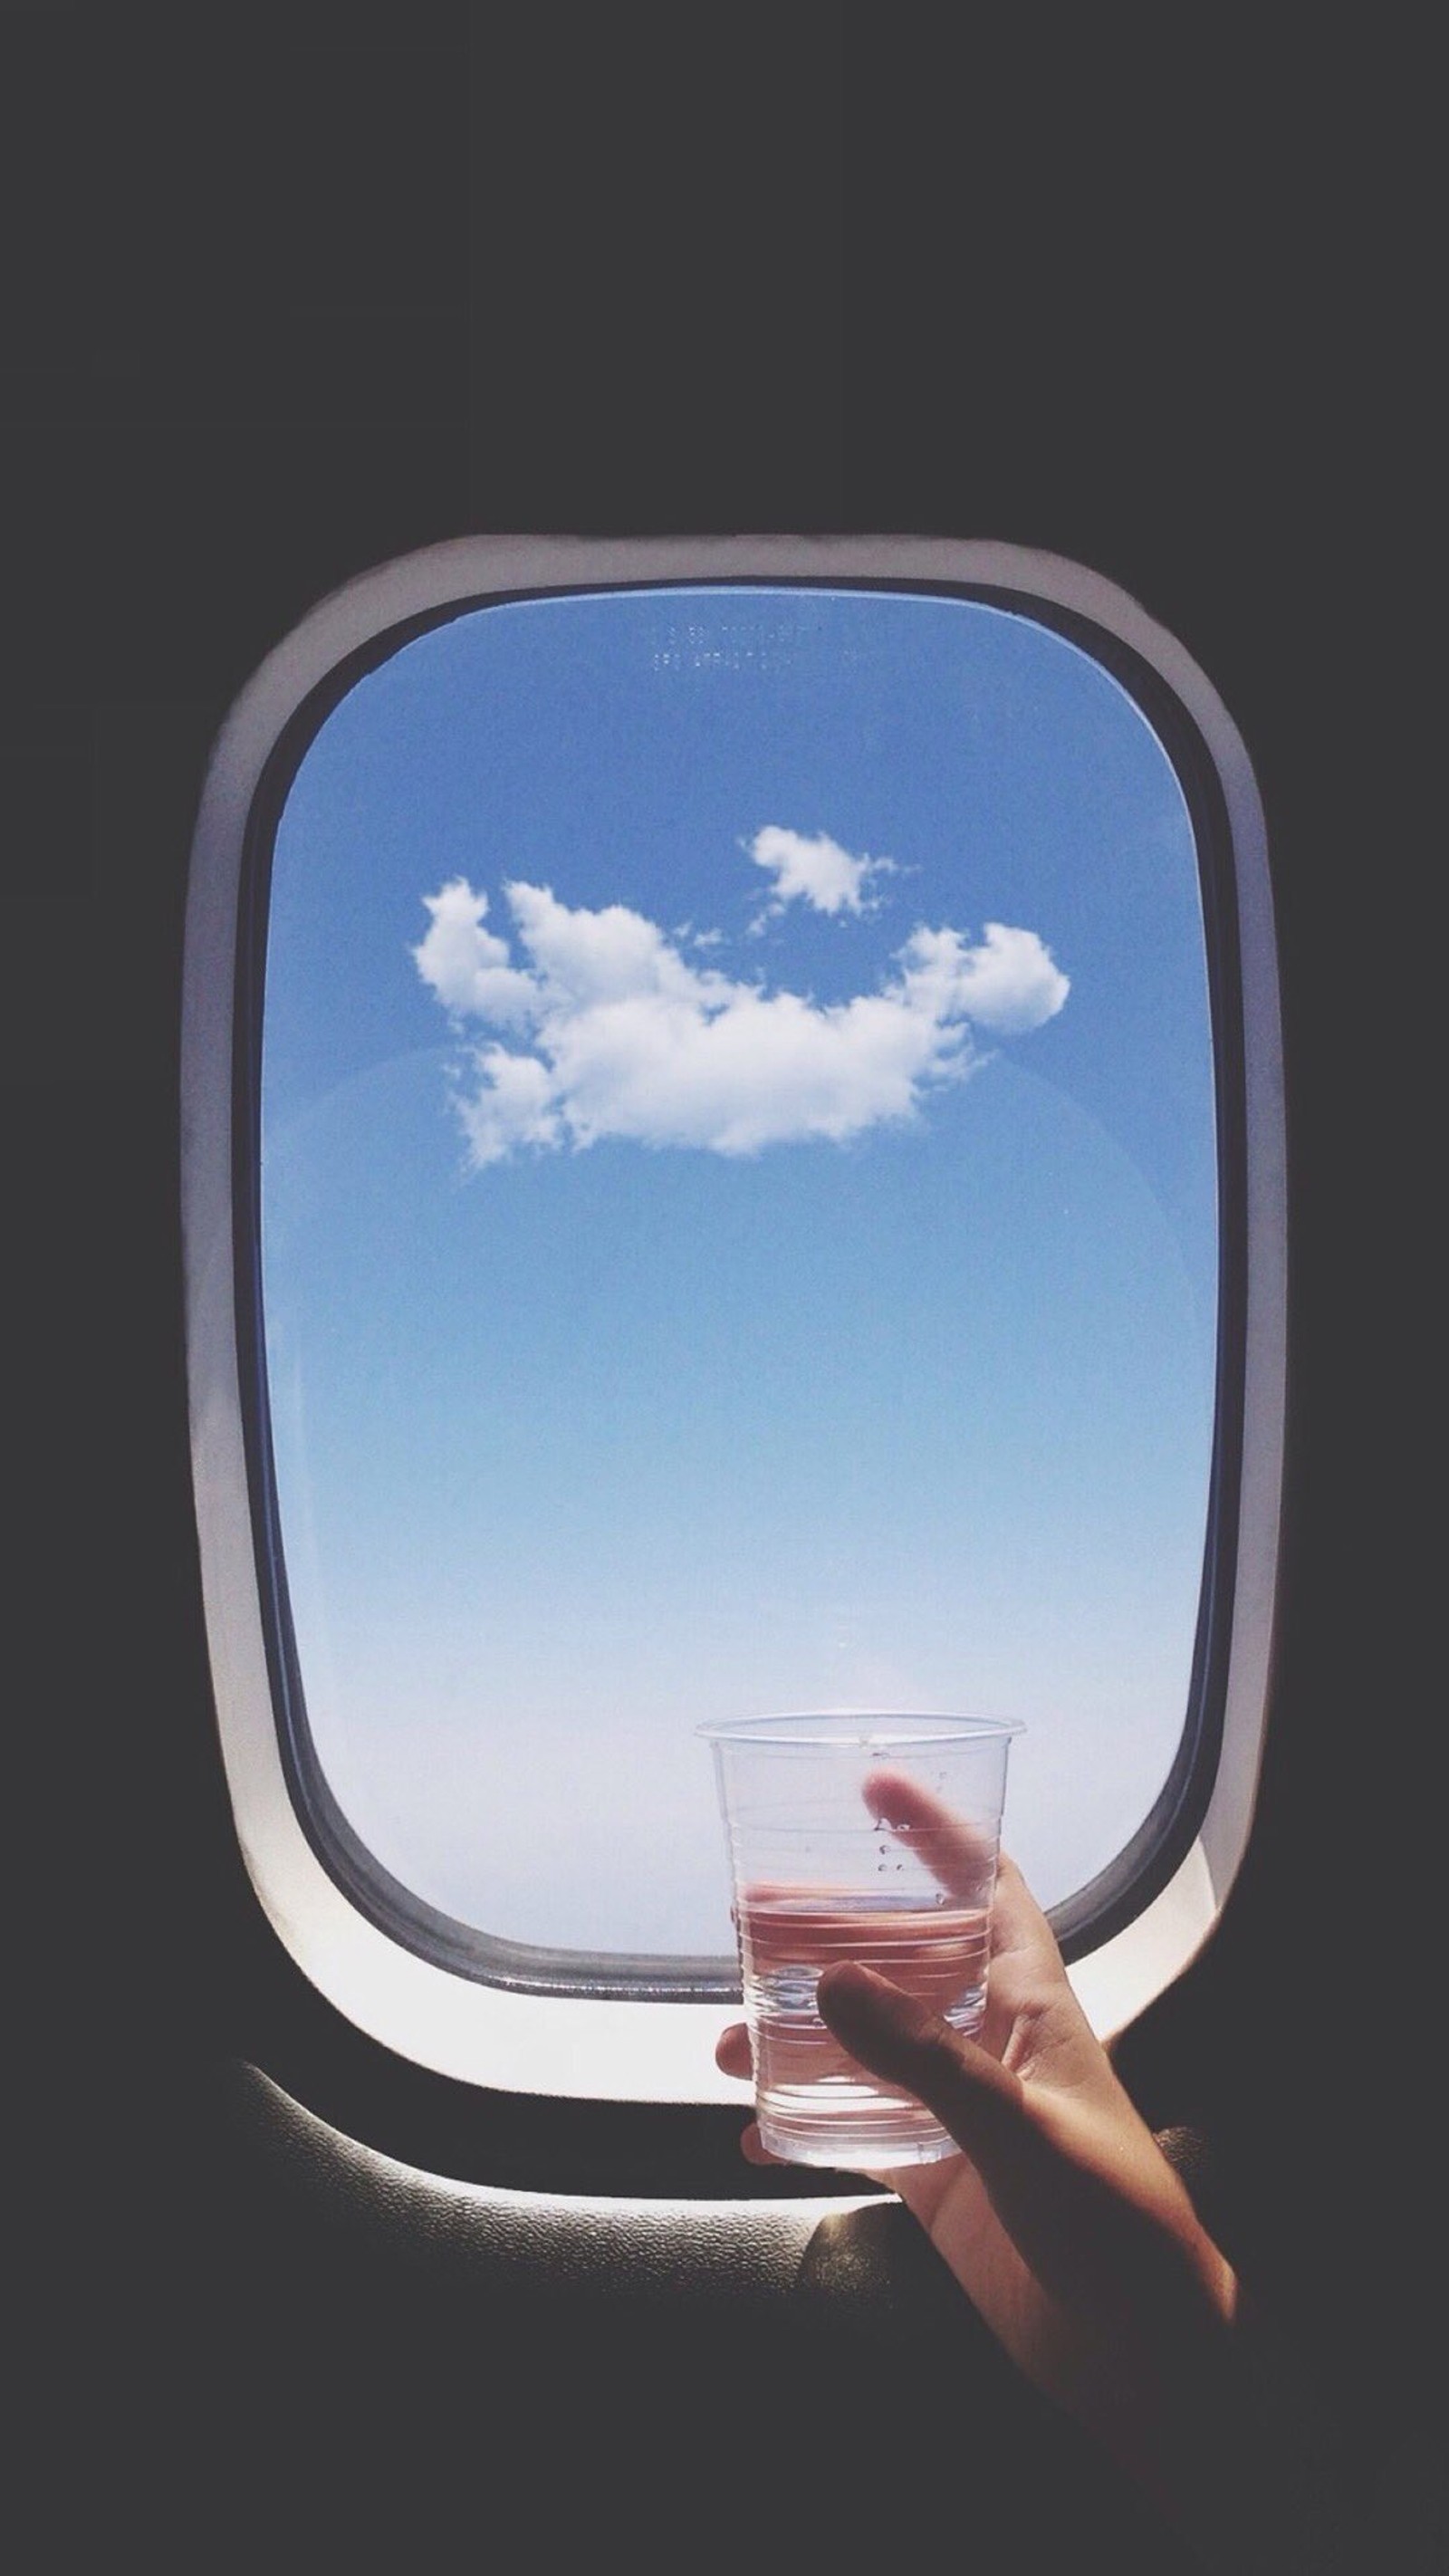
(861, 1730)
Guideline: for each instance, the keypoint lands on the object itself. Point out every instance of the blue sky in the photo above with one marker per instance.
(738, 1228)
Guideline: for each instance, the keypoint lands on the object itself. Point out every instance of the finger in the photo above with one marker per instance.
(901, 2041)
(963, 1859)
(958, 1854)
(732, 2052)
(732, 2057)
(754, 2149)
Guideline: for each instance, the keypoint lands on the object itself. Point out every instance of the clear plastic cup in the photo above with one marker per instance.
(869, 1836)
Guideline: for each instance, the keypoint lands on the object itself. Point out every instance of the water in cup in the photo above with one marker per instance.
(813, 2104)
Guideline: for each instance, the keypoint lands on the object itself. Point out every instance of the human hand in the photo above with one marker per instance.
(1061, 2218)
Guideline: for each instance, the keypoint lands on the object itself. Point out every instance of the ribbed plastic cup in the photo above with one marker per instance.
(869, 1836)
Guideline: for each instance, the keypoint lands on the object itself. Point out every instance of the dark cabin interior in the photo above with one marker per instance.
(290, 293)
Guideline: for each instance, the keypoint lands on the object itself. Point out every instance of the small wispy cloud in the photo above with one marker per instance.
(816, 871)
(609, 1030)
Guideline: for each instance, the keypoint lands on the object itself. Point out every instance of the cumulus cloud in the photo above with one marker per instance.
(616, 1033)
(466, 966)
(815, 871)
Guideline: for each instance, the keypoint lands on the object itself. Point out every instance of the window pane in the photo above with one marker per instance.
(738, 1229)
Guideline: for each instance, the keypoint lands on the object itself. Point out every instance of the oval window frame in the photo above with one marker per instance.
(440, 1994)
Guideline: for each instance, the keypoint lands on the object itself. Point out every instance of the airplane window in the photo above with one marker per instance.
(737, 1197)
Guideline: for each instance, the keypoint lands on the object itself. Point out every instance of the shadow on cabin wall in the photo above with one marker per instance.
(295, 291)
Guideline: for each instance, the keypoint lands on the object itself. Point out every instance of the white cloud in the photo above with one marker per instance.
(513, 1104)
(466, 966)
(818, 871)
(617, 1034)
(1009, 984)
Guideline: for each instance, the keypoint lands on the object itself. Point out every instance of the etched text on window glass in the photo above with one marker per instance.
(738, 1229)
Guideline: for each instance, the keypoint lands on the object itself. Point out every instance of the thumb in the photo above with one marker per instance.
(893, 2036)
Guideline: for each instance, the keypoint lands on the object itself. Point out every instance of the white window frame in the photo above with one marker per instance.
(609, 2046)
